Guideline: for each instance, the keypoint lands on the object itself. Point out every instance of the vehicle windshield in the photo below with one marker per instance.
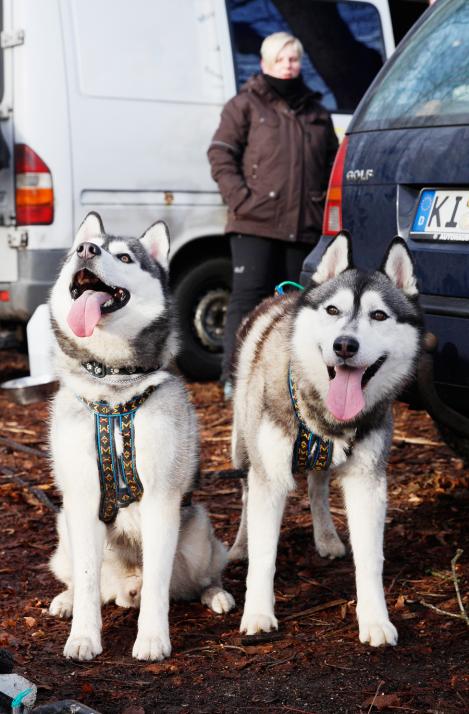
(427, 83)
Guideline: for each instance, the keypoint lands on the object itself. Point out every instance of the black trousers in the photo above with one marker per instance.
(259, 264)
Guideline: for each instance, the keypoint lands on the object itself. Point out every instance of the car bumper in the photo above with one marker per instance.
(37, 272)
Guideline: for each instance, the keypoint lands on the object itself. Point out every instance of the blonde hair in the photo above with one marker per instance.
(274, 44)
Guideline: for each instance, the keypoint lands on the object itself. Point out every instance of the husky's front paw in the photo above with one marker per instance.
(254, 622)
(152, 647)
(82, 648)
(378, 633)
(62, 605)
(329, 545)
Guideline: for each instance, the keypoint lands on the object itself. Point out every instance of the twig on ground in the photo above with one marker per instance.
(16, 446)
(316, 608)
(415, 440)
(37, 493)
(376, 694)
(393, 581)
(290, 658)
(463, 614)
(210, 648)
(336, 666)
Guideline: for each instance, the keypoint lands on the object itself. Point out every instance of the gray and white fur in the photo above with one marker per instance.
(111, 305)
(364, 331)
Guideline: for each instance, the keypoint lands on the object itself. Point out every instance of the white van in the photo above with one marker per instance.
(110, 105)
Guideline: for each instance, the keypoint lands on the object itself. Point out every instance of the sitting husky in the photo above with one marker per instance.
(317, 372)
(124, 442)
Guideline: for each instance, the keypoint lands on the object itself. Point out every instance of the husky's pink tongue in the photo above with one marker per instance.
(85, 312)
(345, 396)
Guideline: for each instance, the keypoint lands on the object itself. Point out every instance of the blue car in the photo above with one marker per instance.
(403, 169)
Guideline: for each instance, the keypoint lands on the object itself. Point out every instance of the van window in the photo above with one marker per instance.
(343, 43)
(427, 84)
(147, 51)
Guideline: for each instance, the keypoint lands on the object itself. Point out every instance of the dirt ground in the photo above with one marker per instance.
(315, 664)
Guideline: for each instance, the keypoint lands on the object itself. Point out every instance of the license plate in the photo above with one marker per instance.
(442, 216)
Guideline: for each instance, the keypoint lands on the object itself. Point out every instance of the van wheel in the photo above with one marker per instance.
(201, 296)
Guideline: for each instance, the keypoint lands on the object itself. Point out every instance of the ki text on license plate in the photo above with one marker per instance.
(442, 216)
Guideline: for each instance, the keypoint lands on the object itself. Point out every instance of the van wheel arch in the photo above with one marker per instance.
(201, 285)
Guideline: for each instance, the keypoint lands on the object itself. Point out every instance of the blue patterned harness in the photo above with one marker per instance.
(118, 477)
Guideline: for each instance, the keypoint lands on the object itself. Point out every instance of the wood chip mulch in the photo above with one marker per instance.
(315, 663)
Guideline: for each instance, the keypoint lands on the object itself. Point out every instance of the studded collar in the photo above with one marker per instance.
(100, 370)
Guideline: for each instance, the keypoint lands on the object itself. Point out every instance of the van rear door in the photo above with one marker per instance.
(9, 38)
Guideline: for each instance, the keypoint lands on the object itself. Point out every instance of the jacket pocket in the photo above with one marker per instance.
(259, 206)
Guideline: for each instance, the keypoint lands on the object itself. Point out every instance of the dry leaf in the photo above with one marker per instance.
(258, 649)
(382, 701)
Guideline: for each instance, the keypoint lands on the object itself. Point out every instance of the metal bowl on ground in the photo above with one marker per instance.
(27, 390)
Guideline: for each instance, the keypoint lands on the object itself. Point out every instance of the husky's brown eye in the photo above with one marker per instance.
(332, 310)
(379, 315)
(125, 257)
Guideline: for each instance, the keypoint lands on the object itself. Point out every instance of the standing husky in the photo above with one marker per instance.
(124, 441)
(316, 376)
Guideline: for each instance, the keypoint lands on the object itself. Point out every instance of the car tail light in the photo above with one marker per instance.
(332, 222)
(34, 192)
(4, 296)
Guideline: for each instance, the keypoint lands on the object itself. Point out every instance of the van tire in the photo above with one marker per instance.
(201, 295)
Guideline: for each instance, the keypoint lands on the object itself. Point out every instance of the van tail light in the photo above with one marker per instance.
(332, 222)
(34, 192)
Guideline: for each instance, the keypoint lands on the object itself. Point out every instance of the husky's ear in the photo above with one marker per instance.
(91, 227)
(337, 258)
(156, 242)
(399, 267)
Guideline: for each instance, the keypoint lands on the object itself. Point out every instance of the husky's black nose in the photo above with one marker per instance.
(345, 346)
(86, 251)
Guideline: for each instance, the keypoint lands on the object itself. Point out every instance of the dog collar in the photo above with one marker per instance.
(100, 370)
(310, 451)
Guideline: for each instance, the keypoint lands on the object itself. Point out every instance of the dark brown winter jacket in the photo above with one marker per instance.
(272, 163)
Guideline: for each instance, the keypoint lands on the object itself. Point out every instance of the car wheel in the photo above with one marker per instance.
(201, 296)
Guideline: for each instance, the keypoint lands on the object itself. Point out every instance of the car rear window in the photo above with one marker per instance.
(427, 82)
(343, 43)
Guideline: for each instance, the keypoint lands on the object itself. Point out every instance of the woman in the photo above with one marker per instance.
(271, 157)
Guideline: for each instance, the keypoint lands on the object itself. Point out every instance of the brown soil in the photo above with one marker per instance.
(316, 664)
